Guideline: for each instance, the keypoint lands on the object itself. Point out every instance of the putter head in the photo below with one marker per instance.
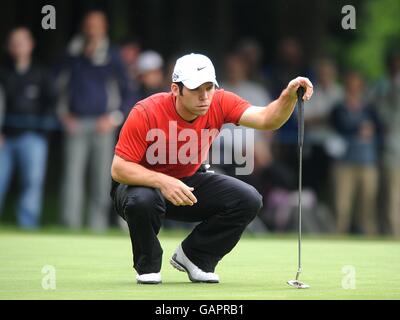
(297, 284)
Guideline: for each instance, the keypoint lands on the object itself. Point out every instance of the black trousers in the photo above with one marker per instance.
(225, 206)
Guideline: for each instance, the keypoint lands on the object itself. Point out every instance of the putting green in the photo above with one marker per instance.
(90, 266)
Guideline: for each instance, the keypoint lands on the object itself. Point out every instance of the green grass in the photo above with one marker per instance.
(92, 266)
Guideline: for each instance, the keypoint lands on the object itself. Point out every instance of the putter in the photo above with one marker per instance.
(300, 93)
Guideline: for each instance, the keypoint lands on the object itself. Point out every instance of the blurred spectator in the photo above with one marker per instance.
(150, 74)
(278, 186)
(356, 170)
(2, 110)
(251, 52)
(318, 133)
(289, 64)
(387, 99)
(130, 51)
(237, 81)
(93, 91)
(28, 107)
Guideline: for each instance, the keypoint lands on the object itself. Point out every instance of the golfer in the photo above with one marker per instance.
(157, 169)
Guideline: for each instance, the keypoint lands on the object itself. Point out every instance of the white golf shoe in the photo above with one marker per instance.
(148, 278)
(180, 262)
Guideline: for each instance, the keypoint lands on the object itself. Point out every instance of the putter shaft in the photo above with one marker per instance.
(300, 93)
(299, 210)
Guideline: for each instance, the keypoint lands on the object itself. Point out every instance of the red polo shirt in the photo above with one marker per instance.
(156, 137)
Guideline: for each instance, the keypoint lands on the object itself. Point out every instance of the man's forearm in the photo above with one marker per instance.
(280, 110)
(130, 173)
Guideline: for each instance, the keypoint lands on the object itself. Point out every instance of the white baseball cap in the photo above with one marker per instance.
(193, 70)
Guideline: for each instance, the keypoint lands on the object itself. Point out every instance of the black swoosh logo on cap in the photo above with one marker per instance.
(199, 69)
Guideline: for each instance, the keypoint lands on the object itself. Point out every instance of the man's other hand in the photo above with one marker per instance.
(300, 82)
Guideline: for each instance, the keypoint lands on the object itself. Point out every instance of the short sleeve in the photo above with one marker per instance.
(132, 142)
(232, 107)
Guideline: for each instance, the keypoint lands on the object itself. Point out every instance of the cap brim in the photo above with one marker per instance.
(193, 84)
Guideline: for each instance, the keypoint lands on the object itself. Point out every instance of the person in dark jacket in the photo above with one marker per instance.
(27, 104)
(93, 89)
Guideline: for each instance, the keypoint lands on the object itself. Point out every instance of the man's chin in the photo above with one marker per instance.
(202, 111)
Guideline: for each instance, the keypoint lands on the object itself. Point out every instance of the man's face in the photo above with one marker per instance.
(354, 83)
(95, 26)
(196, 102)
(152, 79)
(20, 44)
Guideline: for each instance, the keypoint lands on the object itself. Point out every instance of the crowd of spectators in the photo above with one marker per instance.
(352, 130)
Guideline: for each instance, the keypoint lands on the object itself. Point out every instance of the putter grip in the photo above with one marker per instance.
(300, 105)
(300, 93)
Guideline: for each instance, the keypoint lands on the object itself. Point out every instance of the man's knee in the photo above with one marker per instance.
(250, 201)
(141, 201)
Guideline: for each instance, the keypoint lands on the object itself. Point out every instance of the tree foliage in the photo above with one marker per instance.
(379, 31)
